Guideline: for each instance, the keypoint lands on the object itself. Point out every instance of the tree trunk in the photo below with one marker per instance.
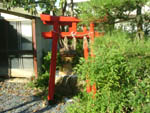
(64, 8)
(72, 5)
(139, 19)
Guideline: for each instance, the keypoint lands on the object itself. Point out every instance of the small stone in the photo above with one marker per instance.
(44, 103)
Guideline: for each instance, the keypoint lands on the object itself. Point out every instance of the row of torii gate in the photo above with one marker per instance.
(56, 33)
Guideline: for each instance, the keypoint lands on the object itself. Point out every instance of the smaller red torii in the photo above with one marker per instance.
(72, 22)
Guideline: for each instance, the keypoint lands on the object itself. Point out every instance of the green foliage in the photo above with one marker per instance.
(42, 81)
(29, 5)
(46, 62)
(97, 9)
(47, 6)
(121, 72)
(116, 11)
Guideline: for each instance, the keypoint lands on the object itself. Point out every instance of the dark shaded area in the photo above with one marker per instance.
(3, 48)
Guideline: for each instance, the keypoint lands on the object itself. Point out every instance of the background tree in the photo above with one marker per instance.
(47, 6)
(117, 11)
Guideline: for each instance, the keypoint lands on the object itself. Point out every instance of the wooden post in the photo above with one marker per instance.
(92, 54)
(92, 34)
(34, 47)
(85, 45)
(53, 62)
(74, 27)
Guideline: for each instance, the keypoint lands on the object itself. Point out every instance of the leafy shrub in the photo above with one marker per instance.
(42, 81)
(46, 62)
(47, 59)
(121, 71)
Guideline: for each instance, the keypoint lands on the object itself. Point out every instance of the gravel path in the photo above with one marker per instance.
(16, 98)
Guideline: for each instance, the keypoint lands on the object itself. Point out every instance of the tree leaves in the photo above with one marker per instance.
(31, 5)
(114, 10)
(121, 72)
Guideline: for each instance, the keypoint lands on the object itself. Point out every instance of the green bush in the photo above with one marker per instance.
(47, 59)
(121, 71)
(42, 81)
(46, 62)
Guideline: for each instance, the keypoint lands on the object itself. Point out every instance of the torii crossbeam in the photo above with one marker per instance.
(55, 34)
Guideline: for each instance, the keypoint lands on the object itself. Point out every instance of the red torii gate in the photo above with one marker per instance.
(58, 21)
